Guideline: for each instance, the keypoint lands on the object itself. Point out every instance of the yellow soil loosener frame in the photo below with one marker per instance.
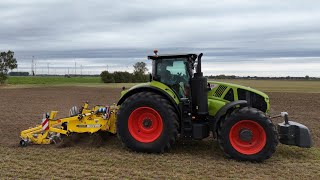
(100, 118)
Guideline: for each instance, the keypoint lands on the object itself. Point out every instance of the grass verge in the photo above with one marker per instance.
(196, 159)
(51, 80)
(262, 85)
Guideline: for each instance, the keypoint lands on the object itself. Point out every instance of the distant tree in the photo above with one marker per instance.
(138, 77)
(307, 77)
(123, 77)
(107, 77)
(127, 77)
(118, 77)
(7, 62)
(140, 68)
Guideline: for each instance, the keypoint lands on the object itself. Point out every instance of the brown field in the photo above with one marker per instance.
(23, 107)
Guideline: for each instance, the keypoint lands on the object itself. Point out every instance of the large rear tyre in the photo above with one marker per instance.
(147, 122)
(247, 134)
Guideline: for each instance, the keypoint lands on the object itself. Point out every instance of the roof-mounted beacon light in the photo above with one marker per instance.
(155, 52)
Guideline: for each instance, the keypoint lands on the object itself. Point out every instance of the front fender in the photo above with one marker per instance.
(225, 109)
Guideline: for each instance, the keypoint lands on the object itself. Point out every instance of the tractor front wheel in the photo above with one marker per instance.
(247, 134)
(147, 122)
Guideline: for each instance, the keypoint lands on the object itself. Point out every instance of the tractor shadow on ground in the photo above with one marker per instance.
(296, 153)
(95, 140)
(205, 148)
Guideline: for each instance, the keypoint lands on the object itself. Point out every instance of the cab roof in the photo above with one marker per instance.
(168, 56)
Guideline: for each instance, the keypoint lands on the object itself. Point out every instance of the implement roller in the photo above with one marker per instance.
(51, 130)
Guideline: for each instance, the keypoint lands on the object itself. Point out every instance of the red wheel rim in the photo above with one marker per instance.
(145, 124)
(250, 146)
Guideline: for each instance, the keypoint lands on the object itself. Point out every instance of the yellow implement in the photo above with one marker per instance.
(99, 118)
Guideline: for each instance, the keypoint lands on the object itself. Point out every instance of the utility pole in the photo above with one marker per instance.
(32, 66)
(48, 68)
(35, 67)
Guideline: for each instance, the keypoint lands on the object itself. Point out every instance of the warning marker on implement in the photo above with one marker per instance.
(45, 124)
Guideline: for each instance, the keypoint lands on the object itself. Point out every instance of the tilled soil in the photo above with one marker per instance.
(23, 108)
(302, 107)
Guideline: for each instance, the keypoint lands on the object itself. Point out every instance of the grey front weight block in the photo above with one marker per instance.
(294, 134)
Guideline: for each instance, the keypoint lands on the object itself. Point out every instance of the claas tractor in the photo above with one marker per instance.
(178, 102)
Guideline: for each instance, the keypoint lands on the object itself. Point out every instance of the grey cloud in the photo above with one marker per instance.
(224, 30)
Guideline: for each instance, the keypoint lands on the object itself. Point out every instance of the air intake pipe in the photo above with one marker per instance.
(199, 91)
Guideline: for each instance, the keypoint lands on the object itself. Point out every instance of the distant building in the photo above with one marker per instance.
(18, 73)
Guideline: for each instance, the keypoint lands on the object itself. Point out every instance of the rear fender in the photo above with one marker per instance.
(156, 90)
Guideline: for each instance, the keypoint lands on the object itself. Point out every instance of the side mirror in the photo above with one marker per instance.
(209, 87)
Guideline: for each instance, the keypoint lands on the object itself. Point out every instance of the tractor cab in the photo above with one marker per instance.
(175, 71)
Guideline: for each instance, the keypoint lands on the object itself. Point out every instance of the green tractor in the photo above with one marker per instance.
(180, 102)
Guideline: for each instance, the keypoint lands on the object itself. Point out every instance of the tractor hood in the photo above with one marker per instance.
(229, 92)
(239, 86)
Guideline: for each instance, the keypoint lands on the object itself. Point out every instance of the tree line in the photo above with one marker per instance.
(138, 75)
(222, 76)
(8, 62)
(19, 74)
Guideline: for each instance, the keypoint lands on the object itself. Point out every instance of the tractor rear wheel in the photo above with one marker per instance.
(247, 134)
(147, 122)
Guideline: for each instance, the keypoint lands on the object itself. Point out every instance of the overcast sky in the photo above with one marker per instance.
(264, 38)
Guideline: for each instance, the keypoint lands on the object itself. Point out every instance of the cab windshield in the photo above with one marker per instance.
(174, 73)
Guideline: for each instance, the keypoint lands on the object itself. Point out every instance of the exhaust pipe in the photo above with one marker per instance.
(199, 65)
(199, 91)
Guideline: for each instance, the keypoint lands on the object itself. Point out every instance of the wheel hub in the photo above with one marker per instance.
(245, 135)
(147, 123)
